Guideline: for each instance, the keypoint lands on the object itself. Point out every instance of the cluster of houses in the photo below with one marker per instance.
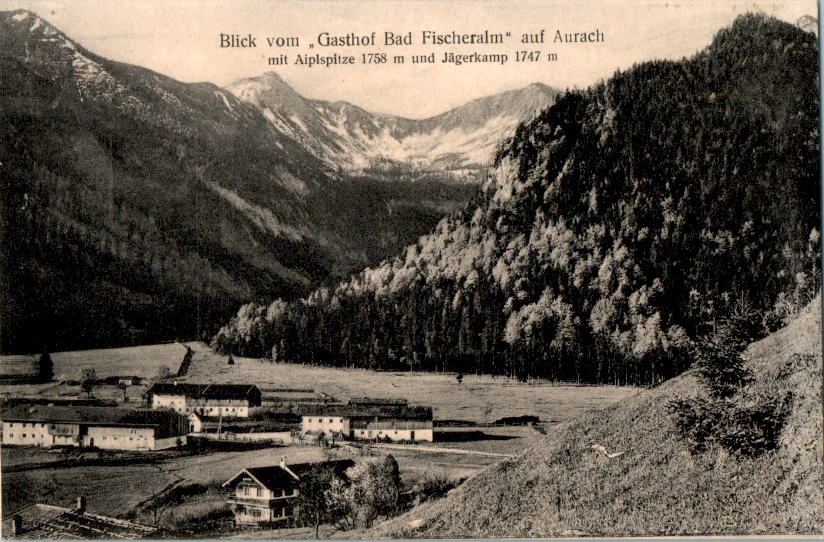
(176, 410)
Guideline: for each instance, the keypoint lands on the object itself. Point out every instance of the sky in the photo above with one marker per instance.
(182, 39)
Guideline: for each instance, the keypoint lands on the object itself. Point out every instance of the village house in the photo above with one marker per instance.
(369, 419)
(44, 521)
(99, 427)
(269, 494)
(211, 400)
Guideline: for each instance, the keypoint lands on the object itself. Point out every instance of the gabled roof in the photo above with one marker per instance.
(275, 476)
(89, 415)
(205, 391)
(55, 522)
(173, 388)
(396, 411)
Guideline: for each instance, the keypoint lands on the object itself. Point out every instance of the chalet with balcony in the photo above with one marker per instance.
(209, 400)
(269, 495)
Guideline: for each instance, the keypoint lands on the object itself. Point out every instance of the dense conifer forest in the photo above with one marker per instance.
(624, 222)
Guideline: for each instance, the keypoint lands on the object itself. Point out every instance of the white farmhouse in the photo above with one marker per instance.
(370, 419)
(99, 427)
(210, 400)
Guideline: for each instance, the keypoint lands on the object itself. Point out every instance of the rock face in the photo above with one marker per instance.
(461, 141)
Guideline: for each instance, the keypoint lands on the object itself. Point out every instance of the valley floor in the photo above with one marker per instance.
(121, 483)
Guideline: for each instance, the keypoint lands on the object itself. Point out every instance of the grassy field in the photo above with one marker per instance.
(142, 361)
(657, 486)
(478, 398)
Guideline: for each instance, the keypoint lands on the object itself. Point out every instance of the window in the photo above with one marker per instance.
(24, 435)
(258, 492)
(245, 490)
(330, 420)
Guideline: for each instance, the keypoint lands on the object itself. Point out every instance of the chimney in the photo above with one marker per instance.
(81, 505)
(16, 525)
(283, 462)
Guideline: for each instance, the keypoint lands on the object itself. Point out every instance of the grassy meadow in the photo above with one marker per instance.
(478, 398)
(648, 482)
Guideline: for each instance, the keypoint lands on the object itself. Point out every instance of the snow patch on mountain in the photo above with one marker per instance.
(461, 141)
(262, 218)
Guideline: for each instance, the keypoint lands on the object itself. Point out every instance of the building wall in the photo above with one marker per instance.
(120, 438)
(210, 408)
(417, 435)
(327, 424)
(195, 424)
(228, 408)
(261, 505)
(175, 402)
(108, 438)
(28, 434)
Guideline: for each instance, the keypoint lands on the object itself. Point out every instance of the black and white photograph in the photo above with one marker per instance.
(283, 269)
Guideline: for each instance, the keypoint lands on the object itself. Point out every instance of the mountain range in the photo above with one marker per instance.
(670, 201)
(140, 208)
(460, 141)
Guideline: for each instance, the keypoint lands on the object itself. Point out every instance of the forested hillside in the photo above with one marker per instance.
(136, 208)
(622, 222)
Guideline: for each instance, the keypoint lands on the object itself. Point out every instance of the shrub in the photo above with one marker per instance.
(745, 429)
(432, 486)
(746, 426)
(721, 368)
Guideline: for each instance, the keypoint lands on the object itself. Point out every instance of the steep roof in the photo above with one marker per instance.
(90, 415)
(174, 388)
(396, 411)
(206, 391)
(275, 476)
(44, 521)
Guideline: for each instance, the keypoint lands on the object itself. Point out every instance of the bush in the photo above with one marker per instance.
(721, 368)
(432, 486)
(726, 417)
(741, 429)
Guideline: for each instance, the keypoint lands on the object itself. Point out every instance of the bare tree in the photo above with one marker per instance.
(123, 387)
(88, 380)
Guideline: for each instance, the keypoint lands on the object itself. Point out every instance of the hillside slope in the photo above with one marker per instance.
(139, 208)
(562, 486)
(620, 222)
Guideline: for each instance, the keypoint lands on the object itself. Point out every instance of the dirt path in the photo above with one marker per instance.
(436, 450)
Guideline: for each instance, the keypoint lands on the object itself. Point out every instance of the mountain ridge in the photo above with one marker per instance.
(620, 223)
(176, 201)
(461, 140)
